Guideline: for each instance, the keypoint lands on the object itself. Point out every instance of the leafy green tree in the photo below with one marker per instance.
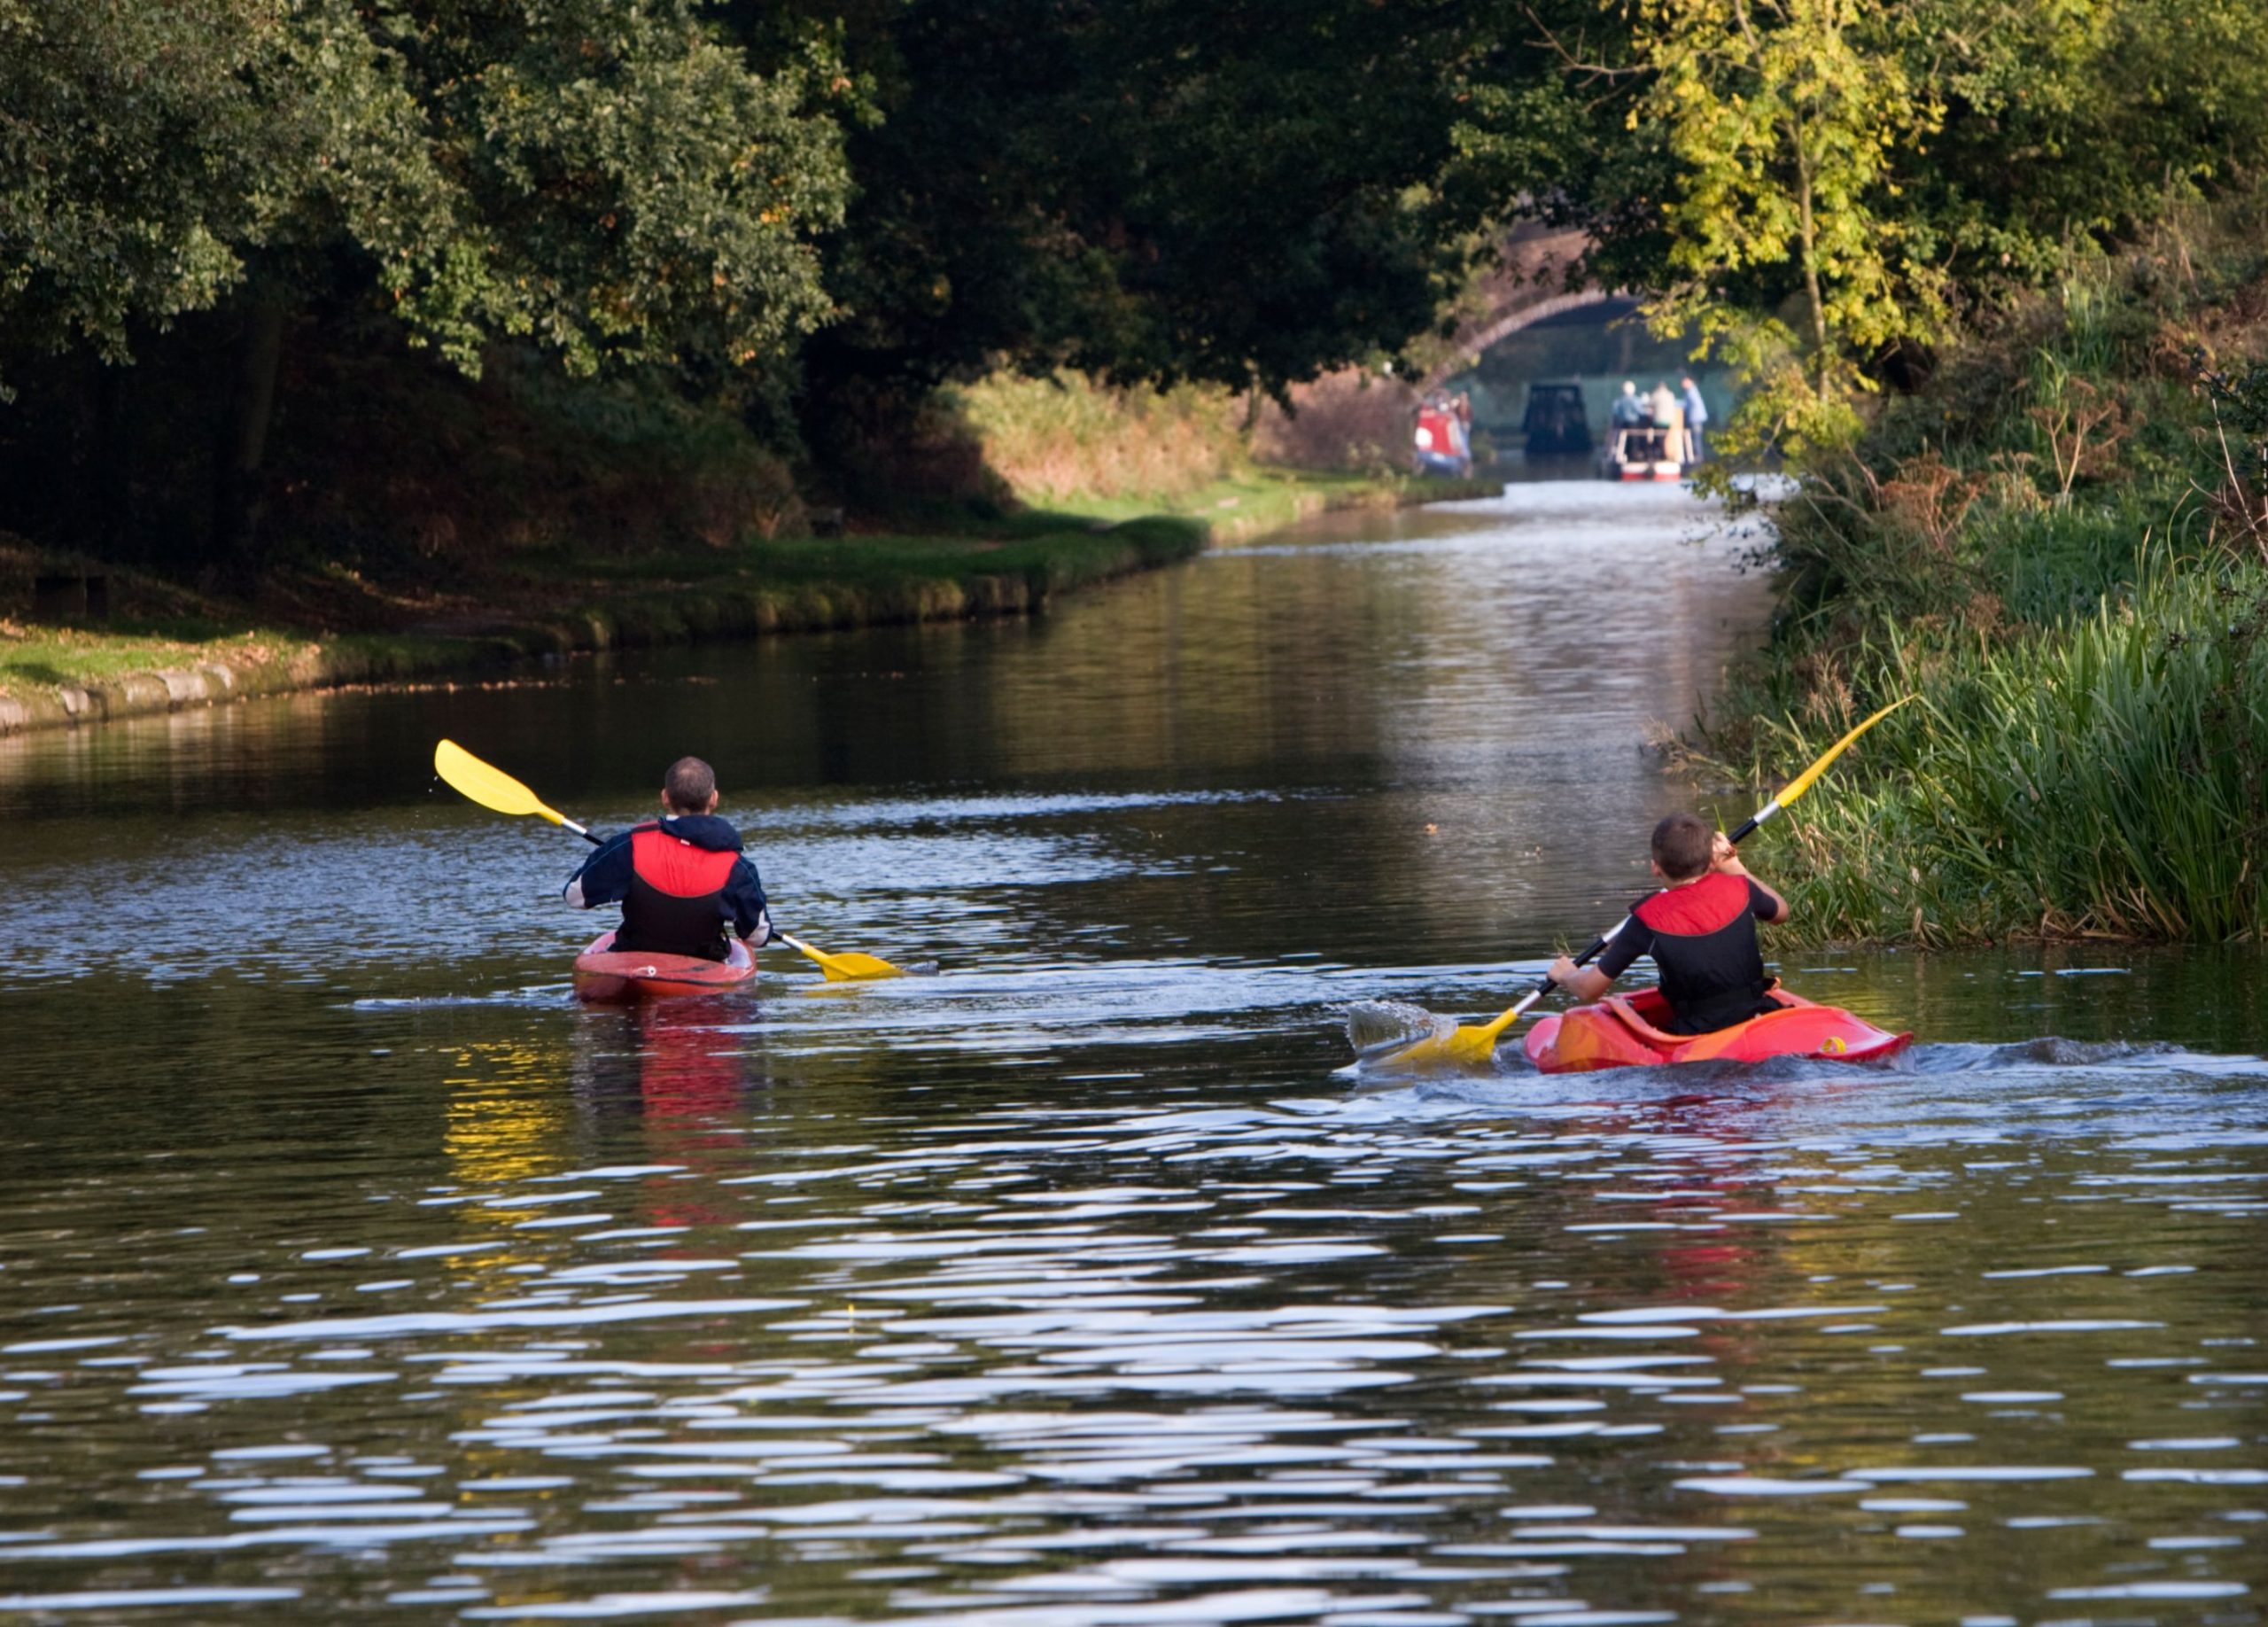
(1231, 190)
(2080, 120)
(1819, 188)
(613, 180)
(1785, 117)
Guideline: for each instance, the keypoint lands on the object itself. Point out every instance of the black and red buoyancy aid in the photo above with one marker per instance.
(675, 902)
(1703, 938)
(682, 883)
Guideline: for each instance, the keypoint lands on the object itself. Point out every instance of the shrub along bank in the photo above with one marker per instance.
(2061, 543)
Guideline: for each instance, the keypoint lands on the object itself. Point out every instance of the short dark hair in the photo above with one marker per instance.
(1682, 846)
(689, 784)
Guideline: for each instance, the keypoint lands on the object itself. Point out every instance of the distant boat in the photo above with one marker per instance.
(1439, 446)
(1652, 449)
(1556, 424)
(1638, 457)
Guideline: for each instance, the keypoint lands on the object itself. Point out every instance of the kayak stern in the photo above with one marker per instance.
(1620, 1032)
(604, 977)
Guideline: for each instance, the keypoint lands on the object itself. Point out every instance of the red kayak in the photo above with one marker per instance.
(602, 974)
(1620, 1032)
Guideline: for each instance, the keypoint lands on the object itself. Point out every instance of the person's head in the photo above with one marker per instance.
(1685, 383)
(1629, 386)
(690, 787)
(1682, 846)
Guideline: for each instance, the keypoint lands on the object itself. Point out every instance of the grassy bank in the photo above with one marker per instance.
(167, 646)
(2060, 544)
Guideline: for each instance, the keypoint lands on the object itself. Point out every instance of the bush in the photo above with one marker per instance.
(2061, 541)
(1067, 436)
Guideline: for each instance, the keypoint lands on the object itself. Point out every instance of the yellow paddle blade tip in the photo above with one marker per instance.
(1804, 782)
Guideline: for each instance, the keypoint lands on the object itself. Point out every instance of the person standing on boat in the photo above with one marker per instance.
(1629, 413)
(1668, 415)
(1700, 929)
(682, 880)
(1697, 415)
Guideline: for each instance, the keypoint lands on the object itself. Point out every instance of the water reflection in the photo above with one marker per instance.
(346, 1263)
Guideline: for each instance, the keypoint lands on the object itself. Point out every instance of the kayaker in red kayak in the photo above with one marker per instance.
(1700, 929)
(682, 880)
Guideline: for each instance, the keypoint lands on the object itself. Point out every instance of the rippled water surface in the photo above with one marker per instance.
(347, 1266)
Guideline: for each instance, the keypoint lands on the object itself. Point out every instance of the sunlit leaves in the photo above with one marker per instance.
(1785, 117)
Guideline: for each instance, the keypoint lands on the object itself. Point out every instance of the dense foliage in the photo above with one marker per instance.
(1845, 178)
(812, 212)
(613, 180)
(2062, 544)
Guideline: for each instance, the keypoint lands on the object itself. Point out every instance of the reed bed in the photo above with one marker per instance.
(2109, 777)
(1067, 436)
(2056, 543)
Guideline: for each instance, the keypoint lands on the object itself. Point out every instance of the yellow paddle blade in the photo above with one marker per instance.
(1469, 1046)
(852, 968)
(856, 968)
(491, 787)
(1803, 781)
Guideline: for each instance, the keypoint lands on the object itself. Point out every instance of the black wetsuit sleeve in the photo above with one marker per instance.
(604, 877)
(1636, 939)
(744, 899)
(1762, 904)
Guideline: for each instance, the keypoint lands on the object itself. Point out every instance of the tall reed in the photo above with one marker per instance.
(2107, 776)
(1069, 436)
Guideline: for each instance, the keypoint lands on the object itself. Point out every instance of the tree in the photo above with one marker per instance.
(1222, 189)
(612, 180)
(1829, 183)
(1785, 117)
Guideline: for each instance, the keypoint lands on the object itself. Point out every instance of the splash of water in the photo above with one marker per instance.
(1375, 1025)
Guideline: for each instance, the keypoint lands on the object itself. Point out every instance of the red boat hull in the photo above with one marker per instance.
(604, 976)
(1620, 1032)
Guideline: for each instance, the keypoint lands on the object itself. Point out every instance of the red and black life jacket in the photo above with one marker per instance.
(1703, 945)
(676, 900)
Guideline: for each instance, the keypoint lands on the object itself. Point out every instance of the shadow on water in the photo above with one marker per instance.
(346, 1263)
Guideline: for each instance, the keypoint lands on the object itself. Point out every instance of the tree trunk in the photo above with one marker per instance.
(1809, 228)
(237, 502)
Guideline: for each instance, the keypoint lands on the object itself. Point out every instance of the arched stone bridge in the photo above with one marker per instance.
(1353, 418)
(1530, 285)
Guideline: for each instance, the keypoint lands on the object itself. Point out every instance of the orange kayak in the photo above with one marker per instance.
(602, 974)
(1620, 1032)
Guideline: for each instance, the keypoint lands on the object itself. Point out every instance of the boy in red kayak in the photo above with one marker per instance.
(1700, 929)
(681, 880)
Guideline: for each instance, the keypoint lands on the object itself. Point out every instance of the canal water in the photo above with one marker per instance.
(348, 1266)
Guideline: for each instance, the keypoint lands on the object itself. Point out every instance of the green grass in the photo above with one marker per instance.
(39, 657)
(1264, 499)
(556, 599)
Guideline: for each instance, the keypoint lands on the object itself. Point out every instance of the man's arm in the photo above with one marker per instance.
(1585, 983)
(604, 877)
(744, 897)
(1630, 941)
